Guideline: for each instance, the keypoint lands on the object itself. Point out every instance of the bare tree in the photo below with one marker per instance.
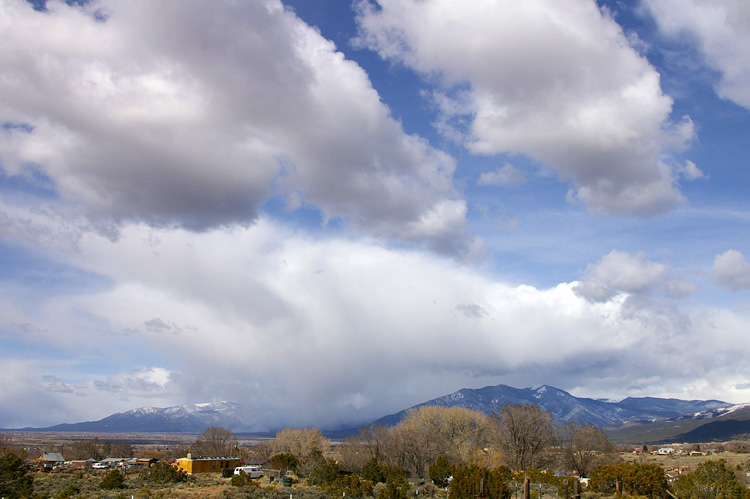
(523, 433)
(301, 443)
(584, 447)
(352, 455)
(411, 448)
(374, 437)
(214, 441)
(459, 431)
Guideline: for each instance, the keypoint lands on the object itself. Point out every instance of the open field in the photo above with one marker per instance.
(681, 464)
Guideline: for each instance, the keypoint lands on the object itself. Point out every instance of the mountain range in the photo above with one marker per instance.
(564, 406)
(192, 418)
(634, 419)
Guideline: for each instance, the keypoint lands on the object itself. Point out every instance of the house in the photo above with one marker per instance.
(49, 460)
(192, 465)
(53, 458)
(664, 451)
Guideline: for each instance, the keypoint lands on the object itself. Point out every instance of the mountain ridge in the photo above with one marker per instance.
(564, 407)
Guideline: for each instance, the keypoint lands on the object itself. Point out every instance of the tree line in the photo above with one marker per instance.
(520, 437)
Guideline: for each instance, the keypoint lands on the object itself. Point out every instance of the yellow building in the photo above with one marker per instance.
(206, 464)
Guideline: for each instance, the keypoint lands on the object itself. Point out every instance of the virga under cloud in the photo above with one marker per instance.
(208, 201)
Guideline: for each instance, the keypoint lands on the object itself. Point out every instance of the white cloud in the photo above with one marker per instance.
(193, 113)
(557, 82)
(721, 31)
(55, 384)
(690, 171)
(621, 272)
(731, 270)
(143, 382)
(505, 175)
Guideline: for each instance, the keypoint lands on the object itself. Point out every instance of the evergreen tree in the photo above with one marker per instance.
(392, 491)
(325, 473)
(114, 479)
(645, 479)
(350, 486)
(476, 481)
(373, 472)
(440, 471)
(711, 480)
(285, 461)
(14, 478)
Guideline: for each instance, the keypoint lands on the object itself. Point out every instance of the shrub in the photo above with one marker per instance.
(67, 492)
(243, 480)
(114, 479)
(162, 472)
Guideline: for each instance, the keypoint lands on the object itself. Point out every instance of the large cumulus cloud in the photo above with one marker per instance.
(193, 113)
(558, 82)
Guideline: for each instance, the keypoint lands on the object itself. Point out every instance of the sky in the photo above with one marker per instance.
(334, 210)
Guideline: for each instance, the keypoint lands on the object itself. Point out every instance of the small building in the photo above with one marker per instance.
(51, 458)
(192, 465)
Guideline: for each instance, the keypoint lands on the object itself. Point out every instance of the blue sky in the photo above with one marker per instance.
(334, 210)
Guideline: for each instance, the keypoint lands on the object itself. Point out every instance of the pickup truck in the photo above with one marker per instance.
(251, 471)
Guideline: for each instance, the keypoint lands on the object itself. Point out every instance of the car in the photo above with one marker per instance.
(251, 471)
(290, 477)
(99, 466)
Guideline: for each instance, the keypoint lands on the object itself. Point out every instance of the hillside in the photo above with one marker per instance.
(720, 424)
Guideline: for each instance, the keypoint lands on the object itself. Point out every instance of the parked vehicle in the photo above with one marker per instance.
(99, 466)
(251, 471)
(289, 477)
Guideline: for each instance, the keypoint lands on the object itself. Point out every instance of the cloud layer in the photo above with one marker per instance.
(320, 332)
